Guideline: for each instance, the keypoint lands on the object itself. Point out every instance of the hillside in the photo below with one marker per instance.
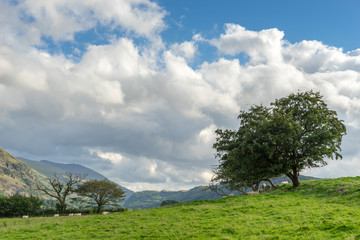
(150, 199)
(15, 177)
(318, 209)
(48, 169)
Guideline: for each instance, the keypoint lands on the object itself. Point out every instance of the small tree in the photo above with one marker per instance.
(61, 187)
(101, 193)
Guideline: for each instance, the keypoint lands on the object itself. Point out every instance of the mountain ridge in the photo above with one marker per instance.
(15, 176)
(49, 168)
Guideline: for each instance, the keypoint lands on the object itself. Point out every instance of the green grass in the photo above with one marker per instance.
(318, 209)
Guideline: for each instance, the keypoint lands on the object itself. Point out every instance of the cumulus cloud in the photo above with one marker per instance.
(140, 114)
(61, 19)
(263, 46)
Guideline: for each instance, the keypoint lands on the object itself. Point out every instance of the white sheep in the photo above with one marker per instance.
(266, 187)
(25, 216)
(71, 214)
(284, 182)
(253, 193)
(77, 214)
(105, 213)
(56, 215)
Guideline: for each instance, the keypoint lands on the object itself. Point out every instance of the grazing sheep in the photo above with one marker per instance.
(25, 216)
(105, 213)
(284, 182)
(266, 187)
(71, 214)
(228, 195)
(56, 215)
(77, 214)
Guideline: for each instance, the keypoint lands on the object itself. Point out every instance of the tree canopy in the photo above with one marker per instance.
(295, 133)
(101, 193)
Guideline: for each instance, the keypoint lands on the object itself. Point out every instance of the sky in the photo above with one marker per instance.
(135, 89)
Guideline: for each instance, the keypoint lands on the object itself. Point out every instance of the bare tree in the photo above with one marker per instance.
(61, 187)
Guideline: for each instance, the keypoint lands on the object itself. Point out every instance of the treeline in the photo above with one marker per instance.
(18, 205)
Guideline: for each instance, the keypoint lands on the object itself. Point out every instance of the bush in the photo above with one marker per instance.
(169, 203)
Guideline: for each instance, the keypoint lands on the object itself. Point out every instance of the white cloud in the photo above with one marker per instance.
(184, 49)
(148, 115)
(262, 47)
(60, 19)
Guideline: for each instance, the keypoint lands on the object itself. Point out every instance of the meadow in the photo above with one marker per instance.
(318, 209)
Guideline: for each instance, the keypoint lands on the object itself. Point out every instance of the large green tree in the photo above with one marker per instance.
(246, 154)
(295, 133)
(101, 193)
(312, 133)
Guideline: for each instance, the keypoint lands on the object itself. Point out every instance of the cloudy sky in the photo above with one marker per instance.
(135, 89)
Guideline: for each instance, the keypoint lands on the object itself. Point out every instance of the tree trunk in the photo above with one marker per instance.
(63, 207)
(271, 183)
(294, 176)
(99, 208)
(255, 187)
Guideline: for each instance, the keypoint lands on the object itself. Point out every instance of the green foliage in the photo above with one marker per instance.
(297, 132)
(311, 134)
(18, 205)
(101, 193)
(247, 155)
(318, 209)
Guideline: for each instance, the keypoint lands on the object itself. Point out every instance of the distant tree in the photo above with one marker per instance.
(18, 205)
(61, 187)
(101, 193)
(166, 203)
(297, 132)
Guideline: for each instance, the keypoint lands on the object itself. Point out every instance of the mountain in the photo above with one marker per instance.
(18, 175)
(48, 169)
(151, 199)
(15, 176)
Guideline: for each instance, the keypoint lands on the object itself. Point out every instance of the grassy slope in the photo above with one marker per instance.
(319, 209)
(150, 199)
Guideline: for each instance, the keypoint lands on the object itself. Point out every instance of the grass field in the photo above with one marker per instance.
(318, 209)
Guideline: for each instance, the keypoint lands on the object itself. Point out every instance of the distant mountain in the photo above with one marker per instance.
(19, 175)
(150, 199)
(48, 169)
(15, 176)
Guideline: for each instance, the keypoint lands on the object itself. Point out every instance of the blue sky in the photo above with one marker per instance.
(335, 23)
(135, 89)
(332, 22)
